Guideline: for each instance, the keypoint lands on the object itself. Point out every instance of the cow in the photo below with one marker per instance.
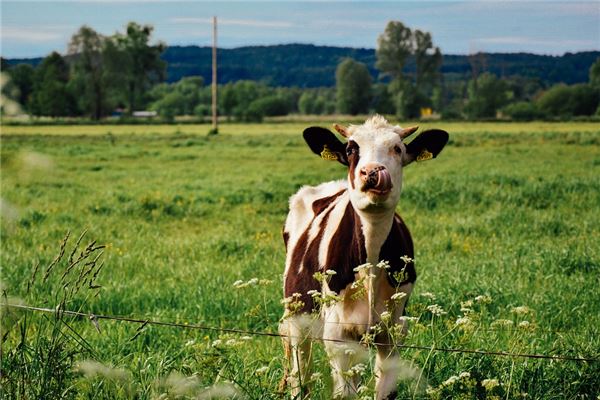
(335, 235)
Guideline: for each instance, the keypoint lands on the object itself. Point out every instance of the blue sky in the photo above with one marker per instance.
(35, 28)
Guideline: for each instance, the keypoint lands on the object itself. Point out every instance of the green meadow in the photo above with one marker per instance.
(506, 225)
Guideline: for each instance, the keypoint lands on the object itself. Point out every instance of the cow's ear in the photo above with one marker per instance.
(426, 146)
(325, 144)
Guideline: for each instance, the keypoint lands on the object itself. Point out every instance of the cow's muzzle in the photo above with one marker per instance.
(376, 179)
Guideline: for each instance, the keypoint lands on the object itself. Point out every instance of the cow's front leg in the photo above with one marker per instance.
(388, 362)
(297, 332)
(344, 356)
(345, 380)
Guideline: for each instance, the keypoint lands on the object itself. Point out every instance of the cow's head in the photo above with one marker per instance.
(375, 154)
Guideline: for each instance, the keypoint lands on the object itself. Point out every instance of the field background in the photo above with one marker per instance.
(508, 211)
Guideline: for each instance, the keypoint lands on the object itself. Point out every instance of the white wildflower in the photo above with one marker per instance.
(241, 284)
(398, 296)
(483, 298)
(383, 265)
(521, 310)
(467, 303)
(385, 316)
(357, 369)
(224, 390)
(406, 319)
(463, 321)
(217, 343)
(431, 391)
(436, 310)
(231, 342)
(190, 343)
(489, 384)
(524, 324)
(502, 322)
(246, 338)
(464, 375)
(262, 370)
(428, 295)
(465, 306)
(313, 293)
(407, 259)
(91, 368)
(450, 381)
(330, 272)
(362, 267)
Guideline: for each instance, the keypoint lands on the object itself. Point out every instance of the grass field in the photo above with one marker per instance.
(505, 223)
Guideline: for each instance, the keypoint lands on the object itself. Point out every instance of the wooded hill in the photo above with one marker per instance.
(305, 65)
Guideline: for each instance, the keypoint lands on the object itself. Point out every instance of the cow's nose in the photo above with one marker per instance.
(370, 172)
(375, 178)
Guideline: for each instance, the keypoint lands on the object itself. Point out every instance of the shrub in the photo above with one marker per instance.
(270, 106)
(522, 111)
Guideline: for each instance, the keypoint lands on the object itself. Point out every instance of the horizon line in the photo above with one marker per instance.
(331, 46)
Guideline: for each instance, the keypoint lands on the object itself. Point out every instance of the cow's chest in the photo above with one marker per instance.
(349, 315)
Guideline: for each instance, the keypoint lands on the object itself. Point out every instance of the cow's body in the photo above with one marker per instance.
(334, 228)
(323, 231)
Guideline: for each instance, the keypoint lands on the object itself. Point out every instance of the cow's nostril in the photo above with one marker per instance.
(363, 171)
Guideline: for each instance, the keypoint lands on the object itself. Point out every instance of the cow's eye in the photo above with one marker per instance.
(398, 149)
(351, 150)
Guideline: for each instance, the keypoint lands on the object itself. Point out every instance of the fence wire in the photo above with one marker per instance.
(94, 318)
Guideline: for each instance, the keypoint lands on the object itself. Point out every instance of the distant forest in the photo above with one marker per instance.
(309, 66)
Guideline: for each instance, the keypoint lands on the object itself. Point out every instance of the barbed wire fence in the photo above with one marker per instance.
(95, 318)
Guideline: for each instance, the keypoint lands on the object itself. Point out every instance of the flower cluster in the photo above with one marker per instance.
(239, 284)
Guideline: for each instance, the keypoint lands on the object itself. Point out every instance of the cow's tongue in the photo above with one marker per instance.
(384, 181)
(379, 181)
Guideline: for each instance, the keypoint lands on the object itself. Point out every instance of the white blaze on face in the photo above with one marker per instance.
(373, 146)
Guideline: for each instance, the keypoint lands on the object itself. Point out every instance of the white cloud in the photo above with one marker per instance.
(37, 35)
(527, 41)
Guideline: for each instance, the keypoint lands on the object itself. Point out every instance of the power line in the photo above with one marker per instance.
(95, 317)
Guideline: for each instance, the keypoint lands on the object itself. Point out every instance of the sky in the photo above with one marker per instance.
(36, 28)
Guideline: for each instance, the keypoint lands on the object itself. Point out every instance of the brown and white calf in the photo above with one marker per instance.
(338, 226)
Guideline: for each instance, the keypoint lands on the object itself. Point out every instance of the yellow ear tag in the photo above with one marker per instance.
(327, 154)
(424, 155)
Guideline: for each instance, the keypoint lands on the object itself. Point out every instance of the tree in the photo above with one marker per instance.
(394, 47)
(180, 98)
(236, 98)
(50, 94)
(428, 60)
(90, 75)
(353, 87)
(595, 74)
(22, 77)
(142, 66)
(383, 100)
(487, 94)
(566, 101)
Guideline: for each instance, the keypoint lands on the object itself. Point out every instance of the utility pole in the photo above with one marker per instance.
(215, 123)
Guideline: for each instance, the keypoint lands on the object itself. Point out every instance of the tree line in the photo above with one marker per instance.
(119, 74)
(98, 75)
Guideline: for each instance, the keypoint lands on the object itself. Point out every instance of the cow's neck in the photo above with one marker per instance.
(376, 228)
